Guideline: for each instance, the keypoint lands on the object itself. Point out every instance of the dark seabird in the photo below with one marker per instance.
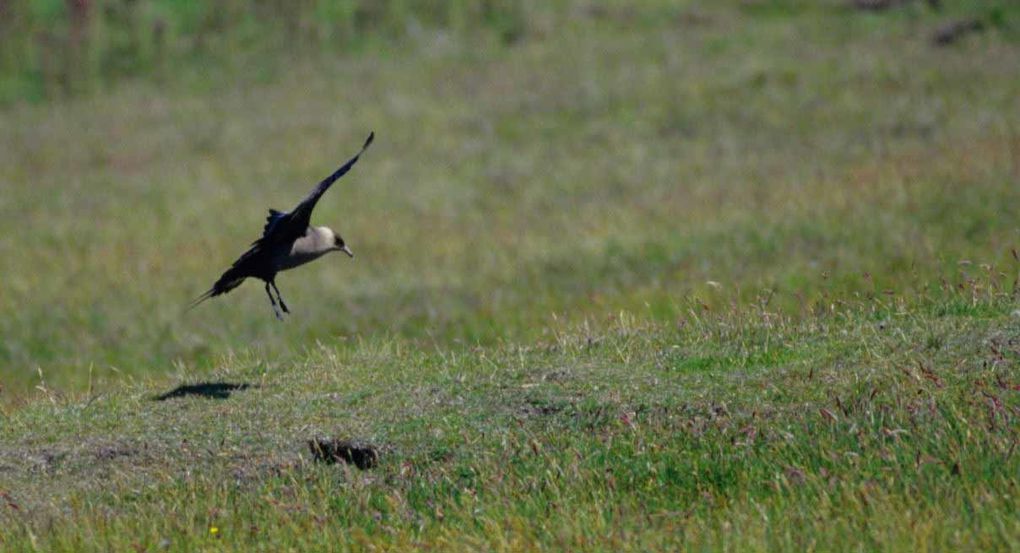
(288, 241)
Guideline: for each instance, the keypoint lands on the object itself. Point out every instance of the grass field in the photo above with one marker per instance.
(722, 276)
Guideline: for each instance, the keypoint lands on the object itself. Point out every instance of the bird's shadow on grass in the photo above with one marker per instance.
(210, 390)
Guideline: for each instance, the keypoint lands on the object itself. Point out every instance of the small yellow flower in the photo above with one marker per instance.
(213, 530)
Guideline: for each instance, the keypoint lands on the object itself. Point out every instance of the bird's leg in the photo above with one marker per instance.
(279, 297)
(273, 302)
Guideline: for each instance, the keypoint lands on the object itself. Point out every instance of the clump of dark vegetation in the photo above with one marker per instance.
(880, 5)
(352, 452)
(955, 30)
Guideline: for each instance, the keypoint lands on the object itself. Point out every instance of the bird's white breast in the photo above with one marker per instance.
(317, 242)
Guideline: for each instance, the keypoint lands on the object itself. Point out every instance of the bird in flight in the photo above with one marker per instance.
(288, 240)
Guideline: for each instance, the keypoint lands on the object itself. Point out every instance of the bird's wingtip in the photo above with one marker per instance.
(371, 137)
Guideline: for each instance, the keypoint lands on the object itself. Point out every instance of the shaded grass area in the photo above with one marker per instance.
(743, 430)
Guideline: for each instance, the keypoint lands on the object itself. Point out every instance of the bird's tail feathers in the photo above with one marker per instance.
(222, 286)
(194, 303)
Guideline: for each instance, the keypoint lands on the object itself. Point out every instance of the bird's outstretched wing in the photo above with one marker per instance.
(293, 224)
(272, 220)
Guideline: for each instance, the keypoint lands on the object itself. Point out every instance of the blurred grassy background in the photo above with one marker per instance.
(537, 164)
(55, 48)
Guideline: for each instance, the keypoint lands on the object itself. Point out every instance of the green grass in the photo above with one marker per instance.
(823, 433)
(716, 277)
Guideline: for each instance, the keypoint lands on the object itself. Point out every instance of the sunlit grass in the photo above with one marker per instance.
(873, 424)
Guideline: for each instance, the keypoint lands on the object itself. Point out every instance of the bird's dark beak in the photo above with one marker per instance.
(347, 250)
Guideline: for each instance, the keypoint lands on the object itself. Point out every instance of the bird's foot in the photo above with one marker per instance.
(284, 306)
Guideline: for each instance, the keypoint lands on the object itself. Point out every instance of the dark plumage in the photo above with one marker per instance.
(288, 240)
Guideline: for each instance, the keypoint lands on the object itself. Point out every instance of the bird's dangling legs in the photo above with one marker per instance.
(279, 297)
(273, 301)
